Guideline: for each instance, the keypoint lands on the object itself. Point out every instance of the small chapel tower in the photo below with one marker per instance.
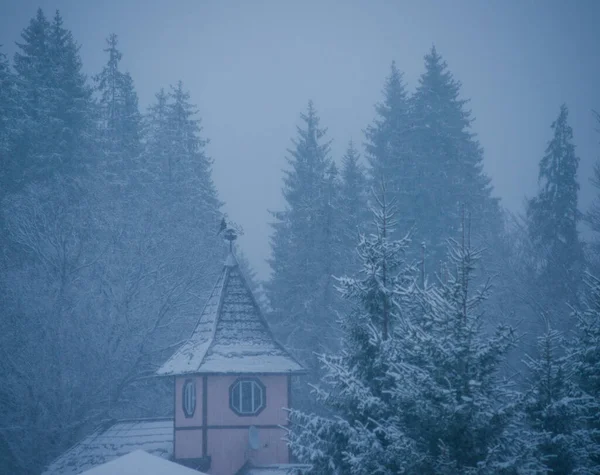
(232, 382)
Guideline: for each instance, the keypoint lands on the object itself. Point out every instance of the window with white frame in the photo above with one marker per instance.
(247, 396)
(189, 398)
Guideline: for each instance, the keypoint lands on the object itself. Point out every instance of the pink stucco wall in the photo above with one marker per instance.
(180, 419)
(188, 443)
(229, 450)
(219, 412)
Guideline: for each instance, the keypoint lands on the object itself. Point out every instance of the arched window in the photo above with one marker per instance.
(189, 397)
(247, 396)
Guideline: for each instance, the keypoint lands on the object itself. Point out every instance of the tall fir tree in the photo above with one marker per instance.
(353, 209)
(176, 160)
(389, 148)
(332, 239)
(9, 124)
(189, 167)
(552, 220)
(303, 247)
(121, 121)
(449, 162)
(156, 144)
(60, 115)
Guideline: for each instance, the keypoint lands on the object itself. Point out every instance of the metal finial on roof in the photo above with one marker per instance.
(230, 235)
(230, 232)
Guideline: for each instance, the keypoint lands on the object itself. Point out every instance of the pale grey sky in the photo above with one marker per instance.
(251, 67)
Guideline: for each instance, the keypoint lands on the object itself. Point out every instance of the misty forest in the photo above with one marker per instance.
(441, 333)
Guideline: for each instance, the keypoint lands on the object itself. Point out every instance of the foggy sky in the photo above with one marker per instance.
(251, 66)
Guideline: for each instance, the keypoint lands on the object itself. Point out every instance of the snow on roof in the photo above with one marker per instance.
(232, 335)
(139, 462)
(114, 440)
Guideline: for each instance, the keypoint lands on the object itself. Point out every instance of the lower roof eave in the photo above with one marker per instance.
(293, 372)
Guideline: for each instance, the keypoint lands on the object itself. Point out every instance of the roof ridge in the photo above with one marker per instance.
(226, 271)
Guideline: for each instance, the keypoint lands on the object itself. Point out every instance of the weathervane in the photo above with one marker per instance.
(230, 231)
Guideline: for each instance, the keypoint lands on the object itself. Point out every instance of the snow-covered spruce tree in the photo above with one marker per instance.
(121, 121)
(592, 217)
(552, 219)
(353, 209)
(9, 125)
(356, 385)
(586, 349)
(190, 169)
(452, 402)
(118, 176)
(448, 165)
(59, 126)
(305, 250)
(388, 147)
(177, 170)
(585, 357)
(555, 410)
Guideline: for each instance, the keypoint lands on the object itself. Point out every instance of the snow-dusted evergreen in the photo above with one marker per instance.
(552, 219)
(179, 168)
(177, 178)
(423, 146)
(450, 163)
(120, 119)
(584, 354)
(555, 410)
(353, 212)
(304, 245)
(389, 148)
(592, 216)
(427, 399)
(9, 118)
(358, 438)
(586, 348)
(456, 406)
(55, 135)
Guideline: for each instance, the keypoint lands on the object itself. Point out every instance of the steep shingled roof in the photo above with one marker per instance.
(232, 335)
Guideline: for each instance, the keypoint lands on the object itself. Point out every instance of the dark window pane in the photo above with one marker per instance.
(257, 397)
(247, 397)
(235, 397)
(189, 398)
